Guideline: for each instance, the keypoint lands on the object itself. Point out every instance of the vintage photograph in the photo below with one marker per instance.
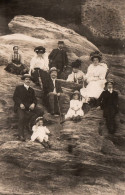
(62, 97)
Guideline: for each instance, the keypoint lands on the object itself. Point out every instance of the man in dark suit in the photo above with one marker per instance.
(25, 104)
(53, 92)
(58, 58)
(108, 101)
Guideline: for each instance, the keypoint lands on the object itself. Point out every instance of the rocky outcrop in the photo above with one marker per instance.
(35, 31)
(82, 160)
(104, 19)
(40, 28)
(117, 73)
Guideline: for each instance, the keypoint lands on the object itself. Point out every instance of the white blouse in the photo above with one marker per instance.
(76, 76)
(39, 62)
(96, 73)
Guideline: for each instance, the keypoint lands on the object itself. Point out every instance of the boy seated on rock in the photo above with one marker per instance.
(77, 76)
(108, 101)
(40, 133)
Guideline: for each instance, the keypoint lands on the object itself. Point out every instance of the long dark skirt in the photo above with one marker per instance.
(44, 76)
(18, 70)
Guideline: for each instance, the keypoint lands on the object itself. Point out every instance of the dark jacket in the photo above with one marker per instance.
(59, 59)
(50, 86)
(108, 100)
(24, 96)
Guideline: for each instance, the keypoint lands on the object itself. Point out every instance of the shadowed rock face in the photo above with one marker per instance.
(64, 12)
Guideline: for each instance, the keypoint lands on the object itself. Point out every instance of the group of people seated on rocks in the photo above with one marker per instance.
(44, 71)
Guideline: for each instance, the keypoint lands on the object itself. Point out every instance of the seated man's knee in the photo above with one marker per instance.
(20, 114)
(51, 94)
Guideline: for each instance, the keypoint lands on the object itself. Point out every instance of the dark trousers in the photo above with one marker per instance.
(53, 103)
(109, 114)
(24, 117)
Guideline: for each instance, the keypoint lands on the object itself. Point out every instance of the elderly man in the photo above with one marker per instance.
(25, 104)
(53, 91)
(58, 58)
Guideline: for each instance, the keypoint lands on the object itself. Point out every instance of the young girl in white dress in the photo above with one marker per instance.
(95, 77)
(40, 133)
(75, 111)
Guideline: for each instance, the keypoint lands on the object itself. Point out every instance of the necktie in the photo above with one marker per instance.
(75, 78)
(54, 86)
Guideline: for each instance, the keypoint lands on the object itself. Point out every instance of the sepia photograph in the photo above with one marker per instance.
(62, 97)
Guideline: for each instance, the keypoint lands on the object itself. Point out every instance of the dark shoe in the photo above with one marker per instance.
(79, 118)
(43, 144)
(62, 121)
(21, 138)
(49, 145)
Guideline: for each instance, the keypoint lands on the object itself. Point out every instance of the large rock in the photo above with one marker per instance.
(41, 28)
(27, 45)
(82, 160)
(76, 45)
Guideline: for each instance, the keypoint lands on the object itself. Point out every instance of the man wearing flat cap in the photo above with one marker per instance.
(25, 104)
(58, 58)
(53, 92)
(108, 101)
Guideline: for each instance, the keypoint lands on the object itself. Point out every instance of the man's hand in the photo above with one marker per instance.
(22, 106)
(58, 94)
(98, 108)
(32, 106)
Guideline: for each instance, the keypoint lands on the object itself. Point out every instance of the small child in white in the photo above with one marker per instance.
(40, 133)
(75, 111)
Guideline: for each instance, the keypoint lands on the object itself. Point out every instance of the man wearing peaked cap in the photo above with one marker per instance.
(58, 58)
(108, 101)
(25, 104)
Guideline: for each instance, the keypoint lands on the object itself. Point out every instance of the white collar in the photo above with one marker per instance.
(26, 86)
(110, 90)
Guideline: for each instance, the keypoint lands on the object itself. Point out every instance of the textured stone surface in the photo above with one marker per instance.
(40, 28)
(82, 160)
(79, 49)
(104, 18)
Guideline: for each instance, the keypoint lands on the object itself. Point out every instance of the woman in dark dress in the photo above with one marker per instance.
(16, 63)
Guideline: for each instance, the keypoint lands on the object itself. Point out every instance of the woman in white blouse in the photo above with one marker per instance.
(39, 64)
(95, 77)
